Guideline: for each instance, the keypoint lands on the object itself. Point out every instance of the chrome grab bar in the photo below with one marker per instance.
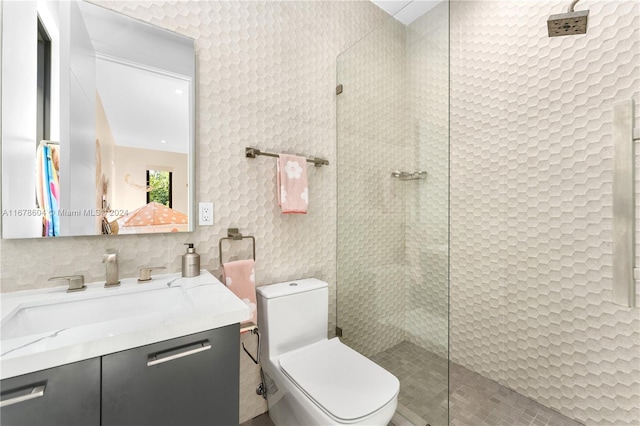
(36, 392)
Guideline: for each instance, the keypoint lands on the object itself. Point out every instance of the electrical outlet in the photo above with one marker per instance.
(205, 216)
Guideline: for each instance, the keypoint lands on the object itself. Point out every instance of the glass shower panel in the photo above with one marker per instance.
(371, 205)
(427, 201)
(393, 206)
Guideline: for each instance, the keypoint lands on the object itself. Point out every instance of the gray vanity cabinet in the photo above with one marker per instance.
(68, 395)
(191, 380)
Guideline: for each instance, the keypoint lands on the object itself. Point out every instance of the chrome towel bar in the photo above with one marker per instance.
(254, 152)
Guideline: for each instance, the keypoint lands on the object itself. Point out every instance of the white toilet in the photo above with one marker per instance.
(310, 379)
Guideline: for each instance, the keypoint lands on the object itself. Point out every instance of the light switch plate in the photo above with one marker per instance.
(205, 214)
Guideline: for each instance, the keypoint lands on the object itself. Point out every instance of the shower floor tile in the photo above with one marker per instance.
(474, 399)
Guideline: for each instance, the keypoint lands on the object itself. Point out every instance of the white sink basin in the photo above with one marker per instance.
(34, 318)
(46, 328)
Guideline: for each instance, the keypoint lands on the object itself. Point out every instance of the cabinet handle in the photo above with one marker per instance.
(36, 392)
(169, 355)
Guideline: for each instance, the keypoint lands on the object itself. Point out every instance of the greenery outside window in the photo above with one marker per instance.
(160, 188)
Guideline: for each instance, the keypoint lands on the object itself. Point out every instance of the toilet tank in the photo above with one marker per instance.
(292, 314)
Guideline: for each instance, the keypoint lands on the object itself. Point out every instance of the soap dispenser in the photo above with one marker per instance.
(190, 262)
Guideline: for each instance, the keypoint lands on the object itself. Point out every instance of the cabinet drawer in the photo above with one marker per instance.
(191, 380)
(68, 395)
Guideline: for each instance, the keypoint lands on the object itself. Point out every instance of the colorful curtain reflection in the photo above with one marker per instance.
(48, 188)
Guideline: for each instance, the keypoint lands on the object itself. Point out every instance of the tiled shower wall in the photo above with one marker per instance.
(531, 177)
(265, 78)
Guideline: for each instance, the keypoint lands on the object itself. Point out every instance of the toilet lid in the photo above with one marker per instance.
(339, 380)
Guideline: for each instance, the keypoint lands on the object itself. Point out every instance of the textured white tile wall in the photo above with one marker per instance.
(372, 116)
(266, 78)
(531, 204)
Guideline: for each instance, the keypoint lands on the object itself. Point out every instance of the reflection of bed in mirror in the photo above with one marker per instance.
(153, 217)
(139, 134)
(120, 102)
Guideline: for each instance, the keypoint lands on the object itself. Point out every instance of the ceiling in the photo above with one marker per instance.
(145, 109)
(406, 11)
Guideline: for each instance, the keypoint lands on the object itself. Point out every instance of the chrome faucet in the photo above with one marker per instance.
(110, 259)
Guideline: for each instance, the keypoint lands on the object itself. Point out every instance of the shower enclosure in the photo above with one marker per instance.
(393, 206)
(495, 299)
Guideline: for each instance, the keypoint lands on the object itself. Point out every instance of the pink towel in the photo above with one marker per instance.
(293, 191)
(240, 278)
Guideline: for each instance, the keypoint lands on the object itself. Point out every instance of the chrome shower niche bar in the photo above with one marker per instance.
(409, 175)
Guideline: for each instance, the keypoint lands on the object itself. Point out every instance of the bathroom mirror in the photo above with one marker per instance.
(97, 123)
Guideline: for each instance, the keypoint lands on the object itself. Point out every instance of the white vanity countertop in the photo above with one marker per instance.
(47, 328)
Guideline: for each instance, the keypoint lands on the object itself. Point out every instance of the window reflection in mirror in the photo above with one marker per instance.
(159, 187)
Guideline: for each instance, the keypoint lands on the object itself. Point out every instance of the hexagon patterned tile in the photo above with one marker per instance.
(531, 204)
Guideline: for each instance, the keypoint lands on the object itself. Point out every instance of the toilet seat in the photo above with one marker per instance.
(343, 383)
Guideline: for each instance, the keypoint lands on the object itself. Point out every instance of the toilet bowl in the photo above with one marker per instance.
(312, 380)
